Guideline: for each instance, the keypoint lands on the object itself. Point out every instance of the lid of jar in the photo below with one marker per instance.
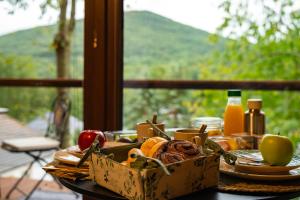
(206, 120)
(234, 93)
(254, 103)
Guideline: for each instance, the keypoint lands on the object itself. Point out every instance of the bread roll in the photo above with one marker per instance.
(175, 151)
(157, 147)
(149, 143)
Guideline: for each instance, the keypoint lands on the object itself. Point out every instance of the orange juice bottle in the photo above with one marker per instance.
(234, 114)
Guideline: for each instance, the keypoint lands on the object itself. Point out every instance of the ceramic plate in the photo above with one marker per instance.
(65, 157)
(75, 151)
(230, 170)
(250, 161)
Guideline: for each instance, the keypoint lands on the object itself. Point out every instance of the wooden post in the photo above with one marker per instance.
(115, 64)
(103, 64)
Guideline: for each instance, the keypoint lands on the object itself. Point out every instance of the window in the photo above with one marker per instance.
(189, 96)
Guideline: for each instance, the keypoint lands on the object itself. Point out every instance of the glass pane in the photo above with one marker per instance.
(205, 40)
(27, 41)
(180, 39)
(168, 39)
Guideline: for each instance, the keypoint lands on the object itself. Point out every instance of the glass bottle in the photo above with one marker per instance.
(254, 118)
(234, 114)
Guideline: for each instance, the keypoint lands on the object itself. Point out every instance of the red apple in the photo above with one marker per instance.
(87, 137)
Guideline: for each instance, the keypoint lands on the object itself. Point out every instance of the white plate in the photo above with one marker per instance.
(75, 151)
(64, 157)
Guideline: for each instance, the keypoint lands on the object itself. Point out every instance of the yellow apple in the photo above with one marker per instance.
(276, 149)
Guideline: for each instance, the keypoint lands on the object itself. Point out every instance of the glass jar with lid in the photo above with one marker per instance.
(214, 124)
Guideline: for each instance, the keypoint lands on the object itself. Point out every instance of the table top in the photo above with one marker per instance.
(91, 189)
(29, 144)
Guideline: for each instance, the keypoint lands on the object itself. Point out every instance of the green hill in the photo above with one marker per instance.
(156, 38)
(150, 40)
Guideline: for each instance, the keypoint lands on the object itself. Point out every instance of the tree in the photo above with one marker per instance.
(265, 45)
(22, 103)
(268, 29)
(62, 46)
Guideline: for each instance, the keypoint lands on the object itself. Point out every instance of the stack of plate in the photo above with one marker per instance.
(64, 165)
(250, 165)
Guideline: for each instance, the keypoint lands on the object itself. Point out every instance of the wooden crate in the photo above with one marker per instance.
(186, 177)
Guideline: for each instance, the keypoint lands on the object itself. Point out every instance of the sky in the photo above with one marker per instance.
(200, 14)
(30, 17)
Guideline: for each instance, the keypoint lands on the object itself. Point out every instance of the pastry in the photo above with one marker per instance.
(132, 151)
(166, 151)
(176, 150)
(149, 143)
(172, 157)
(186, 148)
(157, 147)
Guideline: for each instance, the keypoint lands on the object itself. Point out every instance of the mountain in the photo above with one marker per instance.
(150, 40)
(35, 42)
(155, 38)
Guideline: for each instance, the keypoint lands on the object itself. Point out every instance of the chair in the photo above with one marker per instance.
(58, 119)
(35, 147)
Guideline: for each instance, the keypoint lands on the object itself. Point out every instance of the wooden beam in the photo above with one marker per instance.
(159, 84)
(212, 84)
(94, 65)
(115, 64)
(8, 82)
(103, 64)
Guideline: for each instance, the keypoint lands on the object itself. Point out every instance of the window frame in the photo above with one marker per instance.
(103, 64)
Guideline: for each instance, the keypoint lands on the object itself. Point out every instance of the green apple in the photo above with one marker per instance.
(276, 149)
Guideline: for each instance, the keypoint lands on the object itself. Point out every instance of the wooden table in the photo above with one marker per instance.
(91, 191)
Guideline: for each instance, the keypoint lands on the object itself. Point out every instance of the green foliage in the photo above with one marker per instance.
(13, 66)
(267, 49)
(140, 105)
(37, 44)
(24, 104)
(34, 42)
(27, 103)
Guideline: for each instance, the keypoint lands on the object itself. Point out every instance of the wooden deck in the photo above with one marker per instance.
(46, 190)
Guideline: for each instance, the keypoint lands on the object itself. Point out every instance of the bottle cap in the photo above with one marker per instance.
(254, 103)
(234, 93)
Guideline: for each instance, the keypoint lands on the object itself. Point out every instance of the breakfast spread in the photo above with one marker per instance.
(153, 158)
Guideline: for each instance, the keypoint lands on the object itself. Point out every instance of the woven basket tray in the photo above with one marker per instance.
(230, 184)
